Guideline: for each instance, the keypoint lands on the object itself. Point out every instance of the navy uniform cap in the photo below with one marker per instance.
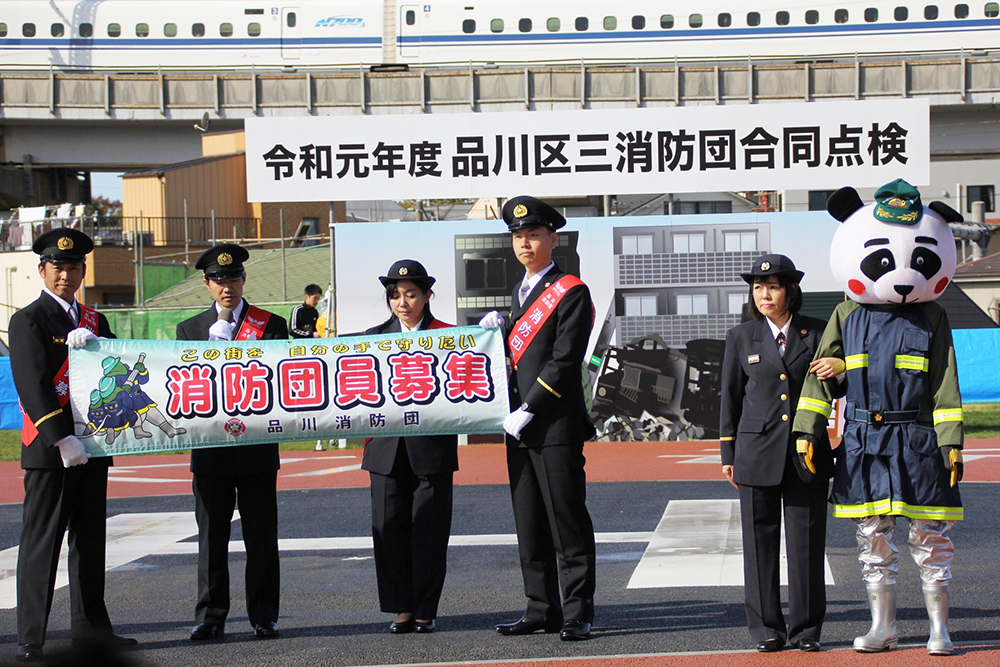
(407, 269)
(773, 265)
(525, 211)
(63, 245)
(223, 261)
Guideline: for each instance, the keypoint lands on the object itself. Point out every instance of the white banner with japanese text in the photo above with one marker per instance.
(787, 146)
(137, 396)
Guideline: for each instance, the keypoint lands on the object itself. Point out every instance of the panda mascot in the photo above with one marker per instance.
(901, 450)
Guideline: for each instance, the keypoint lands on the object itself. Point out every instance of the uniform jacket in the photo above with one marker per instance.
(428, 454)
(760, 390)
(37, 352)
(549, 375)
(239, 460)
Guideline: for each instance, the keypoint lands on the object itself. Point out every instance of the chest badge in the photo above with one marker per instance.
(753, 359)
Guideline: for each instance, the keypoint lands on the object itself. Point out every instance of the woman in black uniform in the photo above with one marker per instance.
(765, 364)
(411, 481)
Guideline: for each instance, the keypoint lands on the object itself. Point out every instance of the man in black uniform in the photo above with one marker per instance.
(304, 316)
(62, 487)
(550, 321)
(227, 476)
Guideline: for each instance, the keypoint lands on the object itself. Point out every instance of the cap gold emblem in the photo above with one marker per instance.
(65, 243)
(520, 211)
(224, 259)
(403, 270)
(765, 266)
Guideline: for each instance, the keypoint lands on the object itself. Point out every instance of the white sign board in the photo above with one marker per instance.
(788, 146)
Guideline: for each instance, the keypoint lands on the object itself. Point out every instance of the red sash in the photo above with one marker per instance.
(253, 324)
(538, 313)
(88, 320)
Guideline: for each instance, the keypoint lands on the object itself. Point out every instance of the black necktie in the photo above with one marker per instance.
(781, 340)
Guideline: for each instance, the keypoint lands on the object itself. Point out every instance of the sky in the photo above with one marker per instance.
(104, 184)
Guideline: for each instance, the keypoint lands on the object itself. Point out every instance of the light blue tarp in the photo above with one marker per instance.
(978, 354)
(10, 414)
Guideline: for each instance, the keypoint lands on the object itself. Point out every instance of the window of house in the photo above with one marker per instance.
(198, 30)
(871, 15)
(524, 25)
(692, 304)
(582, 23)
(703, 207)
(638, 244)
(291, 20)
(781, 18)
(753, 19)
(610, 23)
(696, 20)
(28, 30)
(840, 16)
(553, 25)
(931, 12)
(253, 29)
(992, 10)
(725, 20)
(638, 22)
(901, 13)
(170, 30)
(688, 243)
(114, 30)
(638, 305)
(962, 11)
(983, 193)
(818, 198)
(226, 30)
(142, 30)
(812, 17)
(496, 25)
(739, 241)
(737, 302)
(667, 21)
(411, 17)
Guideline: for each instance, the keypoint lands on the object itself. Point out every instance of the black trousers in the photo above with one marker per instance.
(411, 524)
(555, 536)
(54, 500)
(216, 496)
(805, 513)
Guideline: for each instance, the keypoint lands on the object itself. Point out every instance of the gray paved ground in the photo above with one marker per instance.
(330, 608)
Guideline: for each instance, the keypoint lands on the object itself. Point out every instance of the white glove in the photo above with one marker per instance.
(221, 330)
(72, 451)
(79, 337)
(515, 421)
(491, 320)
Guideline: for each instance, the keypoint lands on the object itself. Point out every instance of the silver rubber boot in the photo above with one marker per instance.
(936, 600)
(882, 635)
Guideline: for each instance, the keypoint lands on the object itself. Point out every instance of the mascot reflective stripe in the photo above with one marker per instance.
(903, 407)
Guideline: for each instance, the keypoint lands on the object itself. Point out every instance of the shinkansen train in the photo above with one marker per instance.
(232, 33)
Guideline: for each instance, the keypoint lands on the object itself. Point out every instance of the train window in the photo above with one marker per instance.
(198, 30)
(667, 21)
(840, 16)
(582, 23)
(725, 20)
(782, 18)
(253, 29)
(992, 10)
(469, 26)
(901, 13)
(696, 20)
(226, 30)
(753, 19)
(3, 29)
(28, 30)
(962, 11)
(57, 29)
(524, 25)
(114, 30)
(86, 30)
(638, 22)
(169, 29)
(411, 17)
(931, 12)
(812, 17)
(496, 25)
(610, 23)
(552, 25)
(142, 30)
(291, 20)
(871, 15)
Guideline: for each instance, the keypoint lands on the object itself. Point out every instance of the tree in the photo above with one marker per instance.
(105, 207)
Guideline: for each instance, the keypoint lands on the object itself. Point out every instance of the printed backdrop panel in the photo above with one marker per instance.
(134, 396)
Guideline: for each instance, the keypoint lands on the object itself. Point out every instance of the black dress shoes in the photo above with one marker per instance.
(574, 630)
(526, 626)
(29, 653)
(207, 631)
(111, 641)
(808, 646)
(266, 630)
(402, 627)
(770, 646)
(424, 626)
